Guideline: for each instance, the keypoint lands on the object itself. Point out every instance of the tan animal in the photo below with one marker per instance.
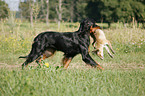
(100, 42)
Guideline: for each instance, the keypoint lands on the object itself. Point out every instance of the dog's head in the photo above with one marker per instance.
(86, 24)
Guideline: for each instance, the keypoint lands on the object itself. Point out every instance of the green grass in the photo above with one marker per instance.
(72, 82)
(124, 75)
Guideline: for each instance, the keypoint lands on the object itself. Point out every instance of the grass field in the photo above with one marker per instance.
(124, 75)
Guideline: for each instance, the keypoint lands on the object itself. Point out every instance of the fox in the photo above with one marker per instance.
(99, 42)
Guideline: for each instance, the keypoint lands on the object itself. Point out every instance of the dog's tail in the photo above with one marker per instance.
(23, 56)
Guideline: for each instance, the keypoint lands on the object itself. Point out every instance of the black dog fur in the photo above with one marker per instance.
(71, 43)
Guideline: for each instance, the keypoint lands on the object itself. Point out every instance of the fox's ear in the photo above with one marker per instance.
(91, 29)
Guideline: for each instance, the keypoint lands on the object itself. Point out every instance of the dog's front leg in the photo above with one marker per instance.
(88, 59)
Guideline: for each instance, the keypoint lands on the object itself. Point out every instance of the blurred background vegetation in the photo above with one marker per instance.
(104, 11)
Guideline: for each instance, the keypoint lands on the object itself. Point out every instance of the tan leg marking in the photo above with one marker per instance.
(66, 61)
(99, 67)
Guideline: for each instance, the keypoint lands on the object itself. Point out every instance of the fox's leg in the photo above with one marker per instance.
(100, 51)
(94, 44)
(106, 47)
(109, 44)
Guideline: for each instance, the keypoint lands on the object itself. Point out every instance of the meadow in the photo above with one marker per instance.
(124, 75)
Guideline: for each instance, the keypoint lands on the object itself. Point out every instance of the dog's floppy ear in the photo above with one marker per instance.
(91, 29)
(86, 24)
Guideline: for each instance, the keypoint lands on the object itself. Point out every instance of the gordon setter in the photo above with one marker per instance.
(71, 43)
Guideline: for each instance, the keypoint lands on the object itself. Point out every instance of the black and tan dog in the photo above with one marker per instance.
(71, 43)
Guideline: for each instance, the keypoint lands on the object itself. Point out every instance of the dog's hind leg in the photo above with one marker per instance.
(47, 53)
(35, 53)
(29, 60)
(66, 61)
